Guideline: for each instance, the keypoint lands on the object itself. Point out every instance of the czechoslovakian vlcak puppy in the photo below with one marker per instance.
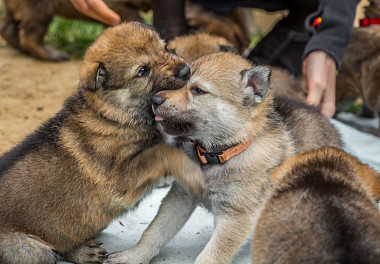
(322, 209)
(240, 132)
(97, 158)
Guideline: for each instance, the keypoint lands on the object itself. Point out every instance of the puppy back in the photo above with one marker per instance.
(319, 212)
(310, 129)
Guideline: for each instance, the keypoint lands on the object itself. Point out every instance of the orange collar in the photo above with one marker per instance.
(223, 156)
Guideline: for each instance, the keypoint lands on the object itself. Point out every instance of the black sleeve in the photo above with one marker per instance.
(335, 29)
(169, 18)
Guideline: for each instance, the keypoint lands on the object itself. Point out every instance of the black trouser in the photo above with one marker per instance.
(284, 45)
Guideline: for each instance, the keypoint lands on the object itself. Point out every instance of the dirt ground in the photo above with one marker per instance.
(31, 91)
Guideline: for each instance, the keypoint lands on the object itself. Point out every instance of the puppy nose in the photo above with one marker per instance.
(157, 100)
(183, 73)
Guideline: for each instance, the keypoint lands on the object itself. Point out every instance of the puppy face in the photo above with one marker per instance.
(125, 67)
(191, 47)
(223, 96)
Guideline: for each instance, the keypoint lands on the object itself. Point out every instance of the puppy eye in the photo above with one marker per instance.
(197, 90)
(143, 72)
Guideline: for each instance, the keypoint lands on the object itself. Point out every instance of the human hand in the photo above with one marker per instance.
(98, 10)
(319, 71)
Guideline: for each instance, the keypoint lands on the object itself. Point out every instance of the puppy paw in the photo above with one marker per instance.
(56, 55)
(90, 252)
(125, 258)
(194, 181)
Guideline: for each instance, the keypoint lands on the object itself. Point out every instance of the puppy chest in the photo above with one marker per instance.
(234, 188)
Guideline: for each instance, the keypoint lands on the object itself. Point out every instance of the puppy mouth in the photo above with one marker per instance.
(158, 118)
(173, 126)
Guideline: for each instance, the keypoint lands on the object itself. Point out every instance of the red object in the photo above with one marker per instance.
(316, 22)
(365, 22)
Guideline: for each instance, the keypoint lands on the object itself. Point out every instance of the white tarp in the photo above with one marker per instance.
(125, 231)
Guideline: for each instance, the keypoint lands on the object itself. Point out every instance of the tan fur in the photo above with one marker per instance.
(227, 101)
(24, 23)
(322, 209)
(358, 74)
(97, 157)
(285, 84)
(234, 26)
(194, 46)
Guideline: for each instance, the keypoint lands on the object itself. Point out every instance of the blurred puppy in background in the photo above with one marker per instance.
(322, 209)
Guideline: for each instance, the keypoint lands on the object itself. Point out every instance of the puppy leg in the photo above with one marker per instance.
(9, 30)
(33, 26)
(20, 248)
(163, 160)
(89, 252)
(174, 212)
(230, 233)
(31, 41)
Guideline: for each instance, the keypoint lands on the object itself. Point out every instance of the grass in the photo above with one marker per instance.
(72, 36)
(75, 36)
(355, 107)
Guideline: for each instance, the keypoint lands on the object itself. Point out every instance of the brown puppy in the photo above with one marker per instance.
(194, 46)
(233, 26)
(358, 73)
(97, 157)
(24, 23)
(322, 210)
(241, 134)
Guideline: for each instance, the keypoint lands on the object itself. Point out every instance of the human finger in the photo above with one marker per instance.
(98, 10)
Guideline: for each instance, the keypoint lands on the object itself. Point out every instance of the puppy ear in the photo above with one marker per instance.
(93, 76)
(255, 83)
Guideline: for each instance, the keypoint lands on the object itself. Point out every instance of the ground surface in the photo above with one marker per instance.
(30, 92)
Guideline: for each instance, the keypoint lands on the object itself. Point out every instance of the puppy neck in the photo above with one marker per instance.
(223, 156)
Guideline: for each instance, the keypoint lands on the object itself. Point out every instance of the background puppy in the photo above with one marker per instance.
(322, 210)
(358, 73)
(241, 133)
(24, 23)
(194, 46)
(97, 157)
(235, 26)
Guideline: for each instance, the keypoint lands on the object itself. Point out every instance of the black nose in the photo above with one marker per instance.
(157, 100)
(183, 73)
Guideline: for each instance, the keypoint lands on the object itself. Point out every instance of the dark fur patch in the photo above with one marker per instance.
(286, 106)
(47, 133)
(177, 127)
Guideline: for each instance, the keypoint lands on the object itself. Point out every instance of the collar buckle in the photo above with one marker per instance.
(212, 158)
